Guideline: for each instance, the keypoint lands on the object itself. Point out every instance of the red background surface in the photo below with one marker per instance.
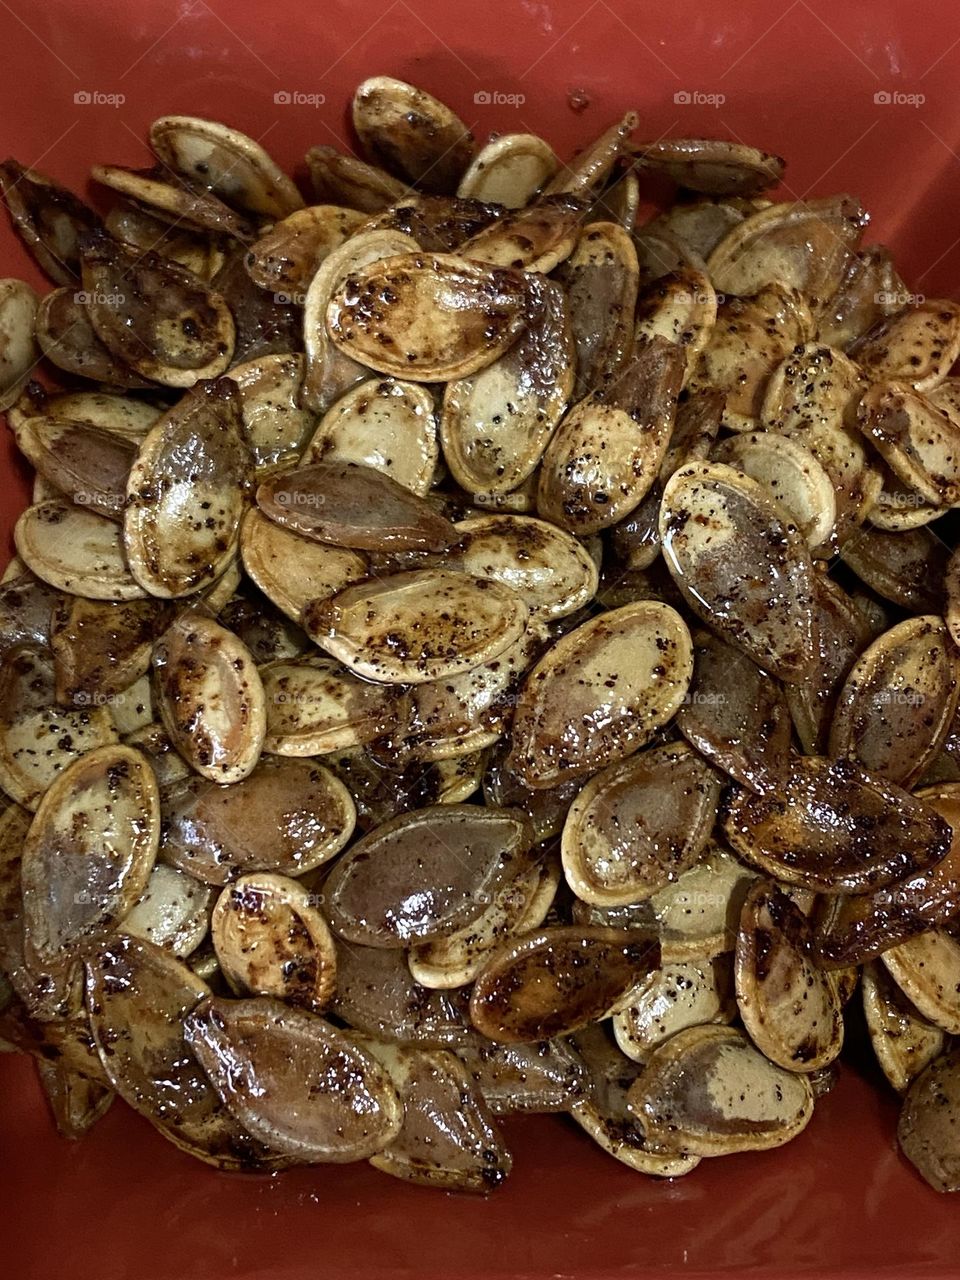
(799, 78)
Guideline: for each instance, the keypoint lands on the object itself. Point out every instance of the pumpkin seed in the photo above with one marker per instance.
(18, 348)
(424, 875)
(601, 692)
(708, 1092)
(448, 1138)
(137, 996)
(455, 960)
(286, 257)
(329, 372)
(345, 180)
(75, 1102)
(919, 442)
(907, 568)
(604, 1115)
(121, 414)
(411, 134)
(736, 716)
(49, 220)
(275, 425)
(225, 161)
(187, 246)
(801, 245)
(38, 739)
(557, 980)
(100, 649)
(868, 290)
(547, 1076)
(707, 510)
(266, 323)
(682, 994)
(791, 474)
(842, 635)
(417, 626)
(495, 425)
(292, 570)
(638, 824)
(680, 307)
(598, 467)
(384, 424)
(835, 828)
(186, 493)
(288, 816)
(601, 278)
(171, 198)
(158, 319)
(211, 697)
(314, 706)
(271, 940)
(928, 1123)
(377, 994)
(509, 170)
(790, 1007)
(89, 852)
(428, 317)
(546, 807)
(591, 167)
(926, 968)
(173, 913)
(66, 336)
(535, 238)
(895, 709)
(26, 606)
(903, 1041)
(712, 166)
(438, 224)
(750, 338)
(702, 224)
(918, 345)
(697, 915)
(87, 464)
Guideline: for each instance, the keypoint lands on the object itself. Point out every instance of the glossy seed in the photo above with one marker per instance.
(289, 816)
(509, 170)
(711, 165)
(682, 994)
(186, 493)
(271, 940)
(708, 1092)
(638, 824)
(601, 692)
(712, 519)
(424, 875)
(918, 344)
(292, 570)
(75, 550)
(557, 980)
(417, 626)
(353, 506)
(211, 697)
(896, 706)
(926, 968)
(173, 911)
(930, 1123)
(428, 317)
(607, 452)
(903, 1041)
(836, 828)
(411, 134)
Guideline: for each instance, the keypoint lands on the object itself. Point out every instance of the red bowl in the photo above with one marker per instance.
(860, 96)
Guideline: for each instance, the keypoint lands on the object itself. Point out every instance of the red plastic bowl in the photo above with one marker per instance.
(860, 95)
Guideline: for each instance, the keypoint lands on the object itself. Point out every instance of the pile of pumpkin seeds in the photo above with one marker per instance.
(476, 647)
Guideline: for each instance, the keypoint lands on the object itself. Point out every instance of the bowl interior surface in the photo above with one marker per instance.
(860, 97)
